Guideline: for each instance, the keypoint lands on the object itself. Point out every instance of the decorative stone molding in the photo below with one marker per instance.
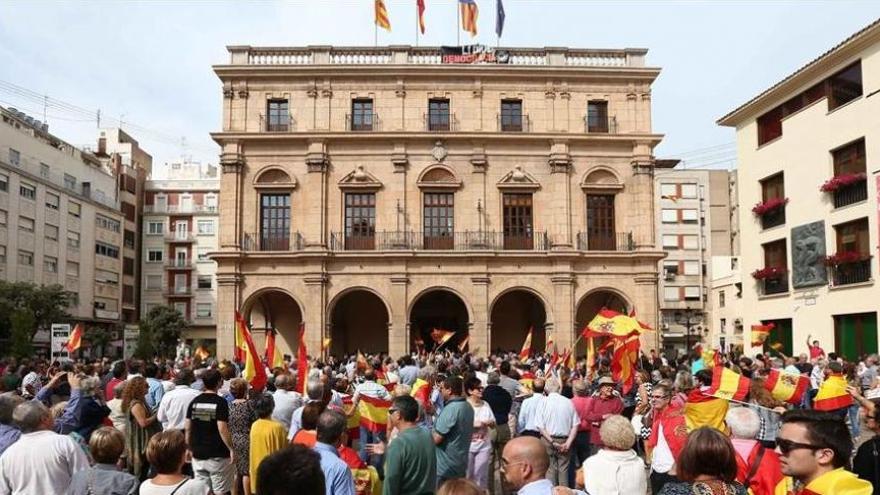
(560, 163)
(550, 94)
(399, 279)
(274, 177)
(399, 161)
(438, 176)
(243, 93)
(360, 179)
(518, 179)
(316, 279)
(231, 162)
(562, 279)
(228, 93)
(439, 151)
(317, 162)
(312, 92)
(479, 162)
(481, 279)
(643, 167)
(601, 179)
(229, 279)
(327, 93)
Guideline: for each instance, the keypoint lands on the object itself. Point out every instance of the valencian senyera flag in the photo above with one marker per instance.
(469, 13)
(373, 413)
(832, 394)
(760, 334)
(787, 387)
(382, 16)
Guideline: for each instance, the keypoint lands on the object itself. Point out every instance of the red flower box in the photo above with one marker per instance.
(769, 206)
(843, 180)
(770, 272)
(845, 257)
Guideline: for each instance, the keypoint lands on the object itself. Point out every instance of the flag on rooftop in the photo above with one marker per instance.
(469, 14)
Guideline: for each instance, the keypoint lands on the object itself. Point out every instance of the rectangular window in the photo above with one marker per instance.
(73, 239)
(669, 191)
(773, 188)
(855, 335)
(670, 268)
(360, 221)
(106, 250)
(25, 258)
(517, 221)
(688, 191)
(70, 182)
(51, 232)
(4, 218)
(597, 116)
(691, 267)
(72, 269)
(438, 114)
(44, 170)
(670, 241)
(278, 116)
(2, 256)
(205, 227)
(671, 294)
(845, 86)
(127, 266)
(669, 215)
(155, 228)
(362, 114)
(205, 282)
(27, 191)
(4, 182)
(511, 115)
(155, 255)
(74, 209)
(849, 160)
(154, 282)
(274, 222)
(203, 310)
(721, 301)
(129, 211)
(853, 238)
(128, 239)
(770, 126)
(106, 277)
(107, 223)
(202, 255)
(600, 223)
(180, 307)
(50, 264)
(26, 224)
(14, 157)
(52, 200)
(439, 220)
(776, 256)
(693, 293)
(689, 216)
(690, 242)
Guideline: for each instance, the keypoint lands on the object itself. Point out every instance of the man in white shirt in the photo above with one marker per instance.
(526, 421)
(558, 421)
(41, 461)
(173, 406)
(286, 400)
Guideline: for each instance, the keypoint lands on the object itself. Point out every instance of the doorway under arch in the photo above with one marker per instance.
(359, 322)
(513, 314)
(589, 306)
(439, 309)
(274, 309)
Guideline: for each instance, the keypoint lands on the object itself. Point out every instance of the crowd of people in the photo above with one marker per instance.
(453, 424)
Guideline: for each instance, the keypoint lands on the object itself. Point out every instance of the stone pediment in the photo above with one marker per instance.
(360, 179)
(438, 176)
(518, 179)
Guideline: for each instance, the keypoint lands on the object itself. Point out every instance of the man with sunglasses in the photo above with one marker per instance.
(668, 435)
(815, 447)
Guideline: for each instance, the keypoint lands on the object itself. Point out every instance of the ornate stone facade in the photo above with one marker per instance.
(376, 194)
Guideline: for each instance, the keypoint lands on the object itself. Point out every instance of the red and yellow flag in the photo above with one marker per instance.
(838, 482)
(254, 371)
(623, 361)
(527, 346)
(240, 350)
(420, 5)
(787, 387)
(382, 16)
(609, 323)
(441, 336)
(353, 423)
(701, 409)
(464, 343)
(728, 384)
(469, 14)
(421, 391)
(832, 394)
(302, 360)
(760, 334)
(75, 340)
(273, 355)
(361, 363)
(374, 413)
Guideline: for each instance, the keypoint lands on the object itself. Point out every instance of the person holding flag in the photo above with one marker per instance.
(372, 401)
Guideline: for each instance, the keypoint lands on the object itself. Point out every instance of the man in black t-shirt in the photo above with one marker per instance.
(207, 434)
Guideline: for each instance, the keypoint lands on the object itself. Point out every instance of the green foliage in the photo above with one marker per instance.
(47, 304)
(159, 331)
(97, 338)
(22, 322)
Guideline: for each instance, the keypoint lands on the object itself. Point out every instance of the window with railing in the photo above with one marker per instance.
(517, 221)
(597, 116)
(511, 115)
(277, 116)
(362, 114)
(360, 221)
(438, 220)
(774, 276)
(773, 190)
(850, 182)
(274, 222)
(438, 114)
(851, 264)
(600, 222)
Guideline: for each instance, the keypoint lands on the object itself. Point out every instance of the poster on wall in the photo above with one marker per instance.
(60, 336)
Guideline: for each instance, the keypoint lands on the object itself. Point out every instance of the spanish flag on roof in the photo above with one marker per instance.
(787, 387)
(373, 413)
(832, 394)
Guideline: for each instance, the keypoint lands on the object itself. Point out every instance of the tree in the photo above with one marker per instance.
(159, 332)
(22, 322)
(97, 337)
(46, 303)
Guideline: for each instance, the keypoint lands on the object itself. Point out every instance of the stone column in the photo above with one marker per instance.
(229, 299)
(480, 327)
(315, 191)
(232, 164)
(398, 327)
(315, 311)
(640, 197)
(563, 309)
(560, 202)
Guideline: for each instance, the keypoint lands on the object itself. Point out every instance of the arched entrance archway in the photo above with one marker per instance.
(513, 314)
(590, 305)
(359, 322)
(274, 309)
(441, 309)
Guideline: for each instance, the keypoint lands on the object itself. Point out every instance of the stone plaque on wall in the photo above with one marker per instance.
(808, 255)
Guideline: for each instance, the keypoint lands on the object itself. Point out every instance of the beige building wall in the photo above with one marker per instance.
(375, 299)
(50, 236)
(803, 154)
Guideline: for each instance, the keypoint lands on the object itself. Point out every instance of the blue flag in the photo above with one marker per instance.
(499, 17)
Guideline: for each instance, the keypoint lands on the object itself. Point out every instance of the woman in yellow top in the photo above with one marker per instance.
(267, 436)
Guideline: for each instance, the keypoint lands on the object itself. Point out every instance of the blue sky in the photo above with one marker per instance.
(149, 63)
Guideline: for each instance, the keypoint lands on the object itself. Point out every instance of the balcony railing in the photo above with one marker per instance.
(607, 125)
(180, 209)
(773, 218)
(179, 236)
(620, 241)
(851, 273)
(775, 285)
(437, 123)
(179, 265)
(513, 124)
(367, 122)
(272, 242)
(267, 126)
(453, 241)
(178, 292)
(851, 194)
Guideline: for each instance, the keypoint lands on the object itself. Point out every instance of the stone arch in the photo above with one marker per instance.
(601, 176)
(359, 319)
(590, 303)
(273, 176)
(442, 308)
(438, 175)
(512, 313)
(270, 307)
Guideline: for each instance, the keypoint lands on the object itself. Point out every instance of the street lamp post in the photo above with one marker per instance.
(688, 318)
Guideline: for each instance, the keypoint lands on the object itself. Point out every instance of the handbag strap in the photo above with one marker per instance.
(753, 469)
(178, 486)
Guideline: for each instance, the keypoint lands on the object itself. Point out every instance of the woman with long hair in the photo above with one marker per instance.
(241, 417)
(140, 424)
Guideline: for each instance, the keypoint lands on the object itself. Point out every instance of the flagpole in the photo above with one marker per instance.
(747, 404)
(458, 24)
(417, 24)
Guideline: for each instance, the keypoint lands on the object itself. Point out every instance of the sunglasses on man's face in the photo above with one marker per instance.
(786, 446)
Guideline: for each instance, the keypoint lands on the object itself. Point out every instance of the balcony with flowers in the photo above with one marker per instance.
(847, 188)
(771, 212)
(773, 279)
(849, 267)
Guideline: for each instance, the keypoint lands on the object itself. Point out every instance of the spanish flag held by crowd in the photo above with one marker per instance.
(832, 394)
(787, 387)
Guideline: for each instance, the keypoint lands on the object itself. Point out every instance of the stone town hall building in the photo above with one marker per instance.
(376, 193)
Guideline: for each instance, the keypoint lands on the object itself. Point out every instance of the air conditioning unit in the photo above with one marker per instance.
(669, 276)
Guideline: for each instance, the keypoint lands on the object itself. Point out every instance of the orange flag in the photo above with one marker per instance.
(527, 346)
(382, 16)
(623, 361)
(240, 350)
(302, 360)
(254, 371)
(75, 341)
(273, 355)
